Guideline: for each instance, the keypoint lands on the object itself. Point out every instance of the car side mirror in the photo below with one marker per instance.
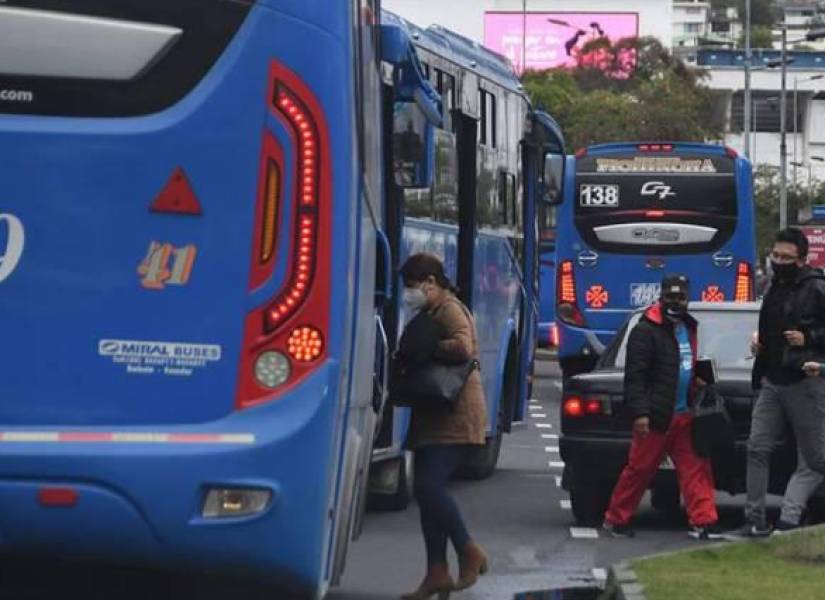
(552, 176)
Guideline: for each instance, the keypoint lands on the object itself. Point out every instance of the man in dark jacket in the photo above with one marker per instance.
(791, 332)
(658, 387)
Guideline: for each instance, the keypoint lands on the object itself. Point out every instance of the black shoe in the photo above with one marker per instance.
(618, 531)
(781, 527)
(706, 532)
(748, 531)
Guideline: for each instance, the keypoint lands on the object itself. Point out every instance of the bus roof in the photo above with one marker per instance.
(462, 51)
(633, 147)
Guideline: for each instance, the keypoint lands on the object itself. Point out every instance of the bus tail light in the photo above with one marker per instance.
(554, 335)
(744, 283)
(235, 502)
(567, 306)
(285, 338)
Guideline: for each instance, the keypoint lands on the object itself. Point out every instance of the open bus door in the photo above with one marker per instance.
(543, 172)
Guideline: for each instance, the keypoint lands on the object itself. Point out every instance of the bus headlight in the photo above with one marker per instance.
(235, 502)
(272, 369)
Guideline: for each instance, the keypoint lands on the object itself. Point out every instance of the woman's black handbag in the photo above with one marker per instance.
(430, 384)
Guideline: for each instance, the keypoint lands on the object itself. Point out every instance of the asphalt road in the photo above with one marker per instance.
(520, 515)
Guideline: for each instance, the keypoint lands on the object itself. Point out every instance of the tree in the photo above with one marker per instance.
(761, 37)
(632, 90)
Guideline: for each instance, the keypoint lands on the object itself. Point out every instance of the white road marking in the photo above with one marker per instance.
(599, 574)
(551, 448)
(533, 401)
(584, 533)
(544, 425)
(558, 481)
(534, 407)
(565, 504)
(556, 464)
(538, 415)
(550, 436)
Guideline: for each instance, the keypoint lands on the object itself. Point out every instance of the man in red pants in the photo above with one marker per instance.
(658, 386)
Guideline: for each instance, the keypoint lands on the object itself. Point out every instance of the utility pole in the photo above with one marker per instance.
(783, 147)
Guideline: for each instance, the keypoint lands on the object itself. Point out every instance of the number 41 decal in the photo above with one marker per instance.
(156, 271)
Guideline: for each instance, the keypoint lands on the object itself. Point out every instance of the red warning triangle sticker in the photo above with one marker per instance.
(177, 196)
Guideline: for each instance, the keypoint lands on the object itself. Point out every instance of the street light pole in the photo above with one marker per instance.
(747, 96)
(783, 148)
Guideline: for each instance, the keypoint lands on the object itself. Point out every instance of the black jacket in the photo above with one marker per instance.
(804, 310)
(651, 375)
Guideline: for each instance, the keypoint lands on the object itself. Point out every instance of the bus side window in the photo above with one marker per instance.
(510, 207)
(487, 124)
(445, 84)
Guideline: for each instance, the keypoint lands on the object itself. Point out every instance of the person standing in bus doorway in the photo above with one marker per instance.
(441, 439)
(658, 385)
(791, 334)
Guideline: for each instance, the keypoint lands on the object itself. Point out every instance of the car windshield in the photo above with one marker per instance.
(723, 335)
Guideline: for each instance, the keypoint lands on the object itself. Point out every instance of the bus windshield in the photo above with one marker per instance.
(652, 204)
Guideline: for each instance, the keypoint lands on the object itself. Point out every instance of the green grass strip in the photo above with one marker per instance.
(788, 567)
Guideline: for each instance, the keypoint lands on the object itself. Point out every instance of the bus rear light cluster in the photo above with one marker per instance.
(576, 406)
(743, 291)
(286, 337)
(567, 306)
(554, 335)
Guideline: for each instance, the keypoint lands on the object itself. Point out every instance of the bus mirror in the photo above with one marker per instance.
(413, 153)
(551, 178)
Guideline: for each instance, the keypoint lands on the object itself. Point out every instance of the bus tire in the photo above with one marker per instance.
(400, 499)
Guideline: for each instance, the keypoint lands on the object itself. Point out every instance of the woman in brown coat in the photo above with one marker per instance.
(441, 438)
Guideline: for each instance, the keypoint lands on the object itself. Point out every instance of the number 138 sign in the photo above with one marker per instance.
(592, 194)
(14, 239)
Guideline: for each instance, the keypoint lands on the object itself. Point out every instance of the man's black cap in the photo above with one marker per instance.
(675, 283)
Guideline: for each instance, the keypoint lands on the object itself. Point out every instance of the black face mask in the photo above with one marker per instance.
(786, 271)
(674, 310)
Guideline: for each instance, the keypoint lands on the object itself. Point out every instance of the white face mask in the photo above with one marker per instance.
(414, 298)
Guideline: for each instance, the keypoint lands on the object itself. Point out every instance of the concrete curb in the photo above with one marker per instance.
(622, 583)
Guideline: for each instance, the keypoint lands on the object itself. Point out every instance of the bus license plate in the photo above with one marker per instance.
(667, 464)
(597, 194)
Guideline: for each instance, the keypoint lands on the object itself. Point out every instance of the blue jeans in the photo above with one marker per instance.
(440, 517)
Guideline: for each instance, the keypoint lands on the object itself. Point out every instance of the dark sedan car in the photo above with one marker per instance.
(596, 430)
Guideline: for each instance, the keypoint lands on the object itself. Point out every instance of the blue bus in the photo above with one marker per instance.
(633, 211)
(492, 156)
(196, 244)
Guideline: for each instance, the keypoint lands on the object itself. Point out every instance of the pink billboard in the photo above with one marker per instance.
(553, 39)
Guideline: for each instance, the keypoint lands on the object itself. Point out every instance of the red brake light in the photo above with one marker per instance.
(593, 407)
(655, 147)
(287, 337)
(57, 496)
(573, 407)
(744, 283)
(653, 214)
(554, 335)
(567, 307)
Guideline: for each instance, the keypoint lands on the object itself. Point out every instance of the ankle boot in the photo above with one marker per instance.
(472, 562)
(437, 581)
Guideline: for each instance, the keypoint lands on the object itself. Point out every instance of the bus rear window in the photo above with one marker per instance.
(655, 204)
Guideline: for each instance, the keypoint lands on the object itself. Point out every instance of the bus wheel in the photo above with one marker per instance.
(482, 461)
(391, 484)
